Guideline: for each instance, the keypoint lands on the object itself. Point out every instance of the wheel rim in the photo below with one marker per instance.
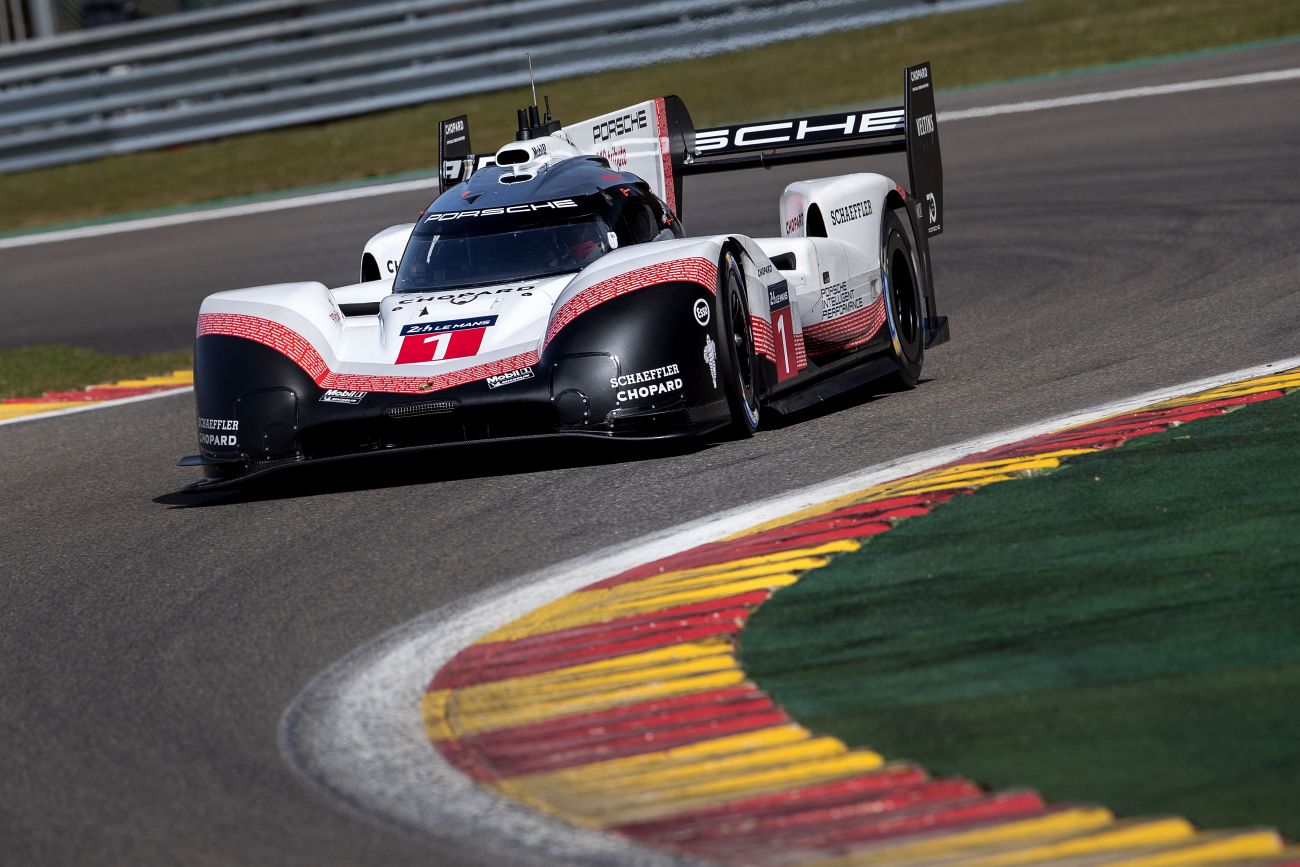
(903, 297)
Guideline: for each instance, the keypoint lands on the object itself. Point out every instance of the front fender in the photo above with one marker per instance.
(646, 359)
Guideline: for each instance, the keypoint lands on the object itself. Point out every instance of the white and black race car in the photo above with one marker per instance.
(551, 291)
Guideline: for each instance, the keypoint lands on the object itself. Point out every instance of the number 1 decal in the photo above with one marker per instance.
(783, 325)
(440, 343)
(778, 301)
(785, 342)
(423, 342)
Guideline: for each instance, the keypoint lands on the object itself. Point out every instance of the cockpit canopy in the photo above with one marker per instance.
(452, 249)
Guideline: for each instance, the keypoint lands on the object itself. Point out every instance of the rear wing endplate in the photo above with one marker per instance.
(455, 156)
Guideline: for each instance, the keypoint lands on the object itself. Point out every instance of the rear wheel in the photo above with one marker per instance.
(902, 293)
(736, 356)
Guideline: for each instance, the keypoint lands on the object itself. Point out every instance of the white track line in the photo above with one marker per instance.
(99, 404)
(355, 731)
(200, 216)
(429, 183)
(1115, 95)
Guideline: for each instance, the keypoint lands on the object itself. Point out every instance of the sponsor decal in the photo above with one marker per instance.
(439, 341)
(510, 378)
(539, 150)
(556, 204)
(711, 358)
(838, 300)
(219, 424)
(339, 395)
(218, 439)
(335, 317)
(921, 73)
(391, 265)
(613, 240)
(794, 224)
(925, 125)
(849, 213)
(765, 270)
(778, 295)
(617, 157)
(466, 297)
(621, 125)
(822, 128)
(452, 127)
(701, 311)
(647, 383)
(934, 208)
(452, 325)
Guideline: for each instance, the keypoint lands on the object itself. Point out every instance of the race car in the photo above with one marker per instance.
(551, 290)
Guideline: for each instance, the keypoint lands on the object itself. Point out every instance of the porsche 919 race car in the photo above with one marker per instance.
(551, 290)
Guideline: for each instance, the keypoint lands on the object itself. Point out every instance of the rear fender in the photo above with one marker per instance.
(847, 208)
(383, 253)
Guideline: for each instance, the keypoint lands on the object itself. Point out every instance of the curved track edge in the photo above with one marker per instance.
(356, 732)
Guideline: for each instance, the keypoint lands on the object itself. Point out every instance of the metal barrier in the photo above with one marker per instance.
(265, 64)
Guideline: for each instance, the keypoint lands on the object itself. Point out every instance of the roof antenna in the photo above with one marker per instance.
(531, 123)
(531, 82)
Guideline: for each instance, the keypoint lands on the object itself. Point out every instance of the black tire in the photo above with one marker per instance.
(737, 361)
(903, 307)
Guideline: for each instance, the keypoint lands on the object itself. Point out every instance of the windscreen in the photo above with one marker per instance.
(500, 245)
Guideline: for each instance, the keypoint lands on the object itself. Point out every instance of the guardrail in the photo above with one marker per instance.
(272, 63)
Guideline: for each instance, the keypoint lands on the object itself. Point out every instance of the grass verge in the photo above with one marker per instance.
(31, 371)
(1019, 39)
(1121, 631)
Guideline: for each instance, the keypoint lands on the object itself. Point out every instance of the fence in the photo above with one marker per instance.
(259, 65)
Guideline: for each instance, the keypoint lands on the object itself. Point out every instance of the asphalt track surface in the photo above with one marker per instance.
(149, 641)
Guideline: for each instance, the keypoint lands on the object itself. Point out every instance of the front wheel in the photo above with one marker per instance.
(902, 293)
(736, 357)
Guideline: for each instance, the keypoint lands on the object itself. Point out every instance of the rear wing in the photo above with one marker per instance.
(911, 128)
(657, 141)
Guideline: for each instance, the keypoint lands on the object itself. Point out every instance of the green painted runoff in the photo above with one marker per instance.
(30, 371)
(1124, 630)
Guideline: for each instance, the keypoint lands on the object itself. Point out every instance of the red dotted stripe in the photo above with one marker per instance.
(845, 332)
(299, 350)
(666, 154)
(694, 270)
